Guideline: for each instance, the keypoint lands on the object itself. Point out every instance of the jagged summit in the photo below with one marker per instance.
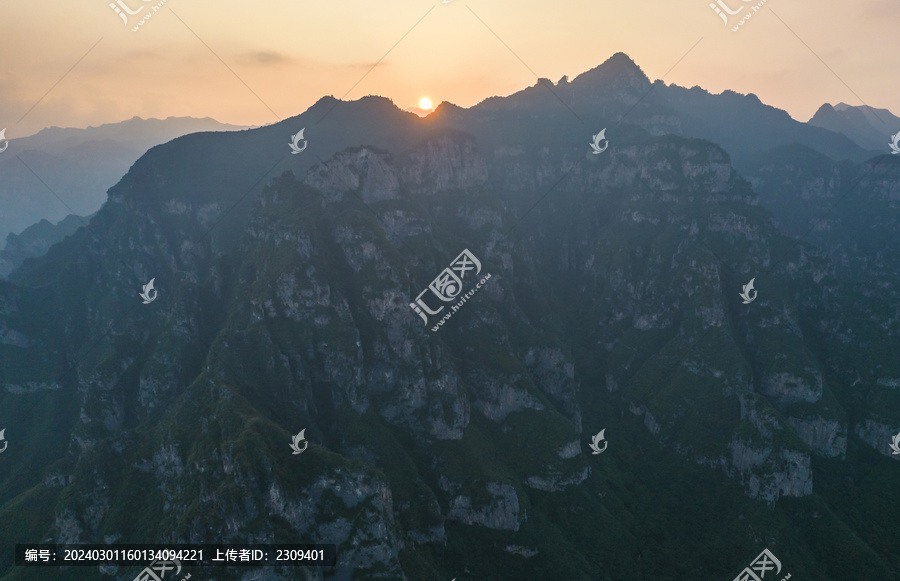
(617, 69)
(609, 79)
(825, 109)
(867, 126)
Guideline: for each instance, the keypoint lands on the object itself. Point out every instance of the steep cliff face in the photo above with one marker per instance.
(770, 475)
(877, 435)
(501, 513)
(849, 213)
(824, 437)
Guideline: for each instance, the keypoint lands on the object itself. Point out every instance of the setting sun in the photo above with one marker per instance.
(425, 103)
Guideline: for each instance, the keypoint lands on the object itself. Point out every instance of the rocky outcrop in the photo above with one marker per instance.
(31, 387)
(447, 163)
(500, 513)
(826, 438)
(649, 419)
(555, 374)
(364, 170)
(365, 536)
(521, 551)
(788, 387)
(783, 472)
(879, 436)
(498, 400)
(569, 450)
(555, 482)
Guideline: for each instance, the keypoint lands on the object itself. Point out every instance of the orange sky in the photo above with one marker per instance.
(253, 63)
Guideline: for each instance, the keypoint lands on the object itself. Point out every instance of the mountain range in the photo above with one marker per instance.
(691, 112)
(597, 292)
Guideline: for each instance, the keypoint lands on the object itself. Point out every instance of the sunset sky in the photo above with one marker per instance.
(76, 63)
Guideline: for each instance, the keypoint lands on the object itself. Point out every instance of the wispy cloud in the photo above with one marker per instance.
(264, 57)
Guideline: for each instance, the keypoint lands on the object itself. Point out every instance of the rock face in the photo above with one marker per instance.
(769, 475)
(369, 172)
(556, 483)
(498, 401)
(500, 513)
(371, 546)
(879, 436)
(786, 387)
(825, 438)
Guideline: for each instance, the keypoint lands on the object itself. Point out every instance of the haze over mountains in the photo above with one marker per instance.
(75, 167)
(285, 284)
(92, 159)
(865, 125)
(36, 240)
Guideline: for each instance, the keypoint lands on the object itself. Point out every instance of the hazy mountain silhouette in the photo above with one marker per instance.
(36, 240)
(870, 128)
(619, 92)
(61, 171)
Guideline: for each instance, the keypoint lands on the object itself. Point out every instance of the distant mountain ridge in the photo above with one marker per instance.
(137, 131)
(741, 124)
(611, 89)
(870, 128)
(78, 166)
(36, 240)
